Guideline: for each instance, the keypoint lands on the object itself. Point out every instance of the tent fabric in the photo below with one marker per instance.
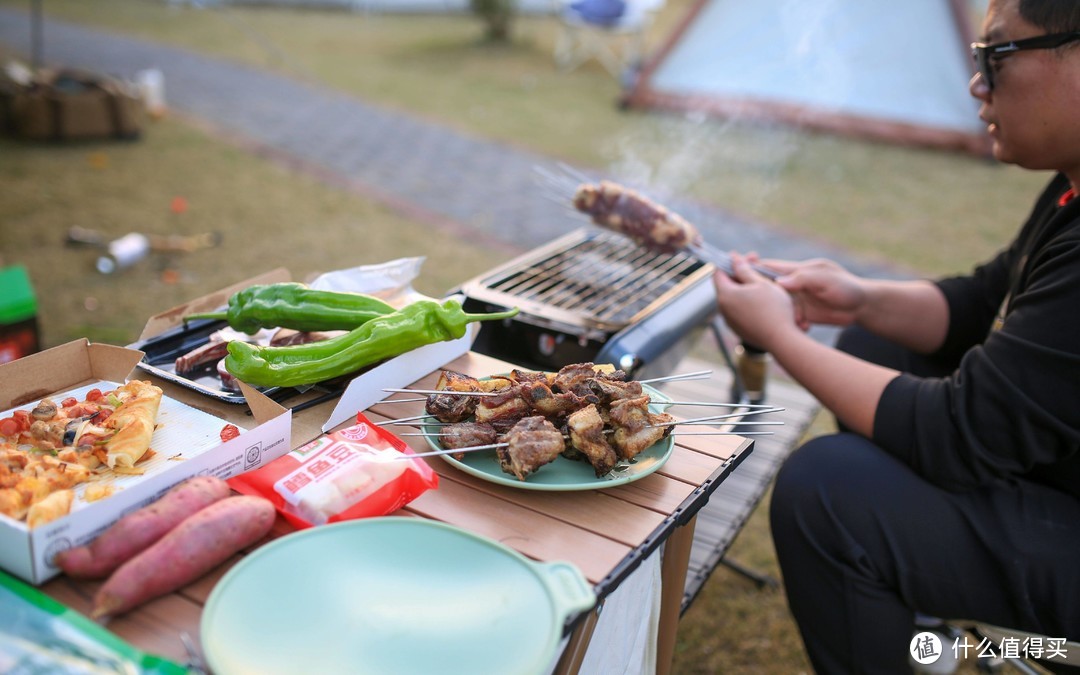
(873, 67)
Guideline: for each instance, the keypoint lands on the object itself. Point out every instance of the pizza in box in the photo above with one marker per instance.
(48, 450)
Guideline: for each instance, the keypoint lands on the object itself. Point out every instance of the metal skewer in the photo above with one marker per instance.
(711, 403)
(441, 391)
(750, 423)
(722, 260)
(415, 420)
(435, 453)
(402, 420)
(657, 402)
(710, 418)
(696, 375)
(493, 446)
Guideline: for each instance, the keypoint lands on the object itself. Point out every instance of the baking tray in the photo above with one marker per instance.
(161, 351)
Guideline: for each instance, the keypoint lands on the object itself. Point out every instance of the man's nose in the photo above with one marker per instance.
(978, 87)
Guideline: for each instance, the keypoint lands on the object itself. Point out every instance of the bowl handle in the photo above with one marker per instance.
(570, 591)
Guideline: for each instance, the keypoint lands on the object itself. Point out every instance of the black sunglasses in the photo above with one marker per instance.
(984, 53)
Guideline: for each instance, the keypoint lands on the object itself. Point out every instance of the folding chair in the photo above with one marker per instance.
(610, 31)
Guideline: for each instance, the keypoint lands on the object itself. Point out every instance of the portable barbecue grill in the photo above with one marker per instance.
(594, 296)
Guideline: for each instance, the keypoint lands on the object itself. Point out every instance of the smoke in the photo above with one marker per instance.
(671, 155)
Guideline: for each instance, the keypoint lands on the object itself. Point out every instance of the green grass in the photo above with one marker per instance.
(927, 211)
(268, 215)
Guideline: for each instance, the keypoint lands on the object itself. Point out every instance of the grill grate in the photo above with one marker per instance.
(589, 280)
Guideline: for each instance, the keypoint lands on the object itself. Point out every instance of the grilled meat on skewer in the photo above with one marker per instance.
(504, 409)
(467, 435)
(523, 376)
(607, 390)
(587, 435)
(575, 378)
(544, 402)
(636, 428)
(531, 443)
(625, 211)
(448, 407)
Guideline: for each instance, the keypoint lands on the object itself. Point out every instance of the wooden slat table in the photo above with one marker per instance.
(605, 533)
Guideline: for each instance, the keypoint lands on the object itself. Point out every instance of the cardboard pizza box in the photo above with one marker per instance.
(187, 442)
(360, 392)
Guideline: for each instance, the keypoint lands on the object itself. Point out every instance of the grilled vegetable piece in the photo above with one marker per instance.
(297, 306)
(194, 547)
(139, 529)
(415, 325)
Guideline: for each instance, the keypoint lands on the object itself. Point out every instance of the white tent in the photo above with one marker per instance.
(886, 69)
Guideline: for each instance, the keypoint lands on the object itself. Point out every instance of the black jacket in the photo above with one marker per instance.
(1012, 406)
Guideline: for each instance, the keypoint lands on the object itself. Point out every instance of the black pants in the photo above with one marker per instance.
(864, 543)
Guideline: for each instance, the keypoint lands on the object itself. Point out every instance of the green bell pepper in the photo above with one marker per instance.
(420, 323)
(296, 306)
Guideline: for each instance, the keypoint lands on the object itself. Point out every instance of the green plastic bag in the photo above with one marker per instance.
(40, 635)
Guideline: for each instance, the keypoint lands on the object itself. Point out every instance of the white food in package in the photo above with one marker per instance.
(336, 475)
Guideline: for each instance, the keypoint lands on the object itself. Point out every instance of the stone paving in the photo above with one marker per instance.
(417, 165)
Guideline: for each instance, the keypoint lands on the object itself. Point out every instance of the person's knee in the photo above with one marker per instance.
(820, 480)
(802, 480)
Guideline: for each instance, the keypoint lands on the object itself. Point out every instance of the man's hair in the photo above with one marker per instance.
(1053, 16)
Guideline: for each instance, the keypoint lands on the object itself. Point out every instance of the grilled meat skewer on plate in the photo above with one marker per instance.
(586, 429)
(530, 444)
(635, 427)
(467, 435)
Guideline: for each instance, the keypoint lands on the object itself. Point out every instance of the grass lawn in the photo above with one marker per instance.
(928, 211)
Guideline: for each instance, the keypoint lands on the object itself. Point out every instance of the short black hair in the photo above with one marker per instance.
(1053, 16)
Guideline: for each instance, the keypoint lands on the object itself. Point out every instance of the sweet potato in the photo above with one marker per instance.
(196, 546)
(139, 529)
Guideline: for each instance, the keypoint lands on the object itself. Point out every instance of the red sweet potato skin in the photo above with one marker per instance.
(197, 545)
(138, 530)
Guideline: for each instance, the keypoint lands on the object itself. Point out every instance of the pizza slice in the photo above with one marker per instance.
(51, 507)
(128, 430)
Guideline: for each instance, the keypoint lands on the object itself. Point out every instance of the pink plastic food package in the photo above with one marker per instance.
(358, 472)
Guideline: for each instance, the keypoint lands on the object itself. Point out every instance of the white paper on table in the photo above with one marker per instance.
(367, 389)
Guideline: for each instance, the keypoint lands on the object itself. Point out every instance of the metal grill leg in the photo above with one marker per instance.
(760, 580)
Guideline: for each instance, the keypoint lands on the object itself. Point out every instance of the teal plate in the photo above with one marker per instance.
(564, 475)
(389, 595)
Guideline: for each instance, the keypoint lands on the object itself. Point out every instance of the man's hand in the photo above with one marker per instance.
(757, 309)
(824, 292)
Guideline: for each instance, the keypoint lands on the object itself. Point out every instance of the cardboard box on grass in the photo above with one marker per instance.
(73, 104)
(362, 391)
(27, 553)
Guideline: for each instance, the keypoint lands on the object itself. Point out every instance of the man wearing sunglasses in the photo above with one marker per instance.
(953, 487)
